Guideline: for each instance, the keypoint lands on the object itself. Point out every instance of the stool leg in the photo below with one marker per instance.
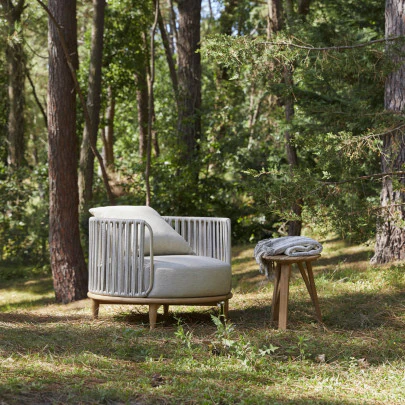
(275, 303)
(284, 291)
(314, 294)
(306, 280)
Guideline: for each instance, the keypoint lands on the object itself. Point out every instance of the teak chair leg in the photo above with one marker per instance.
(153, 308)
(224, 308)
(165, 309)
(95, 306)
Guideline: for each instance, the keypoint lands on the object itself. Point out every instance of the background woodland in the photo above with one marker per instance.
(281, 115)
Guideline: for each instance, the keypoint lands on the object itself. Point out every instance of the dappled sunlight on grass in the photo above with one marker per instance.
(26, 294)
(52, 353)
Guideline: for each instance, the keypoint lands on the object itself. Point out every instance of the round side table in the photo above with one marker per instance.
(279, 305)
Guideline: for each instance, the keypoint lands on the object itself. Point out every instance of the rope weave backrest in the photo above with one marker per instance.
(207, 236)
(117, 265)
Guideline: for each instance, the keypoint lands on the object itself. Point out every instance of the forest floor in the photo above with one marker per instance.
(57, 354)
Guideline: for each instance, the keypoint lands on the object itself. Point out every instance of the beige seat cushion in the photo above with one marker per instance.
(188, 276)
(166, 241)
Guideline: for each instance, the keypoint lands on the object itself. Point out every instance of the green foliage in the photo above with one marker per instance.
(24, 215)
(338, 114)
(241, 171)
(126, 41)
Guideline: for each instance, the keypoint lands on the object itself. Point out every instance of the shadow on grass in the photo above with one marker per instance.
(26, 304)
(343, 258)
(41, 285)
(364, 314)
(98, 394)
(347, 312)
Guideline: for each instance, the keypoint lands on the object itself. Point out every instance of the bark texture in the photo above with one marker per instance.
(15, 58)
(67, 259)
(86, 167)
(390, 239)
(189, 77)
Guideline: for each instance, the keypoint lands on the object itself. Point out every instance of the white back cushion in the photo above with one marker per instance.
(166, 241)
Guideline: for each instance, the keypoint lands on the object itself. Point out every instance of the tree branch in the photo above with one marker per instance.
(327, 183)
(41, 108)
(332, 48)
(370, 176)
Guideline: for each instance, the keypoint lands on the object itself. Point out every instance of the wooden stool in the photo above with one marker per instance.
(279, 304)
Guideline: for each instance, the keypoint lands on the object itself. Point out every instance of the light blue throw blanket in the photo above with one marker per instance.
(286, 245)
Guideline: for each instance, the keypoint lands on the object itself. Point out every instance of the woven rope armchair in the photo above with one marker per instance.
(131, 261)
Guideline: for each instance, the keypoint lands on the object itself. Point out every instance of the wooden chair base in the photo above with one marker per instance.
(279, 306)
(155, 303)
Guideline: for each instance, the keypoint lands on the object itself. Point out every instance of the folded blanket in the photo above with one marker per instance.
(286, 245)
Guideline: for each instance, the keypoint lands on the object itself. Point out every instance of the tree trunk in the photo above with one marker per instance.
(108, 131)
(303, 7)
(275, 23)
(390, 238)
(67, 259)
(173, 37)
(189, 77)
(86, 166)
(16, 75)
(151, 115)
(169, 56)
(142, 99)
(274, 17)
(294, 226)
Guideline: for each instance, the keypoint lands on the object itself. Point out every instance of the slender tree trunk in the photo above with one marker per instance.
(275, 24)
(189, 75)
(303, 7)
(294, 226)
(108, 131)
(67, 259)
(173, 37)
(274, 17)
(39, 104)
(86, 166)
(169, 56)
(151, 116)
(142, 98)
(15, 58)
(390, 239)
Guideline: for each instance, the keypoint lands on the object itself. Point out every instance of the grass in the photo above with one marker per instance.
(56, 354)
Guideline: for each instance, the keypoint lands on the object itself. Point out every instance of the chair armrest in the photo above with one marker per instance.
(208, 236)
(118, 260)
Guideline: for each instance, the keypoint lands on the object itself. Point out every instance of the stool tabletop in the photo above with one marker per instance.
(291, 259)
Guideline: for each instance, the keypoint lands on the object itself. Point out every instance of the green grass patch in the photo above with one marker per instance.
(56, 354)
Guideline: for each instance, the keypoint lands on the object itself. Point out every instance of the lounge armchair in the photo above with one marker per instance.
(138, 257)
